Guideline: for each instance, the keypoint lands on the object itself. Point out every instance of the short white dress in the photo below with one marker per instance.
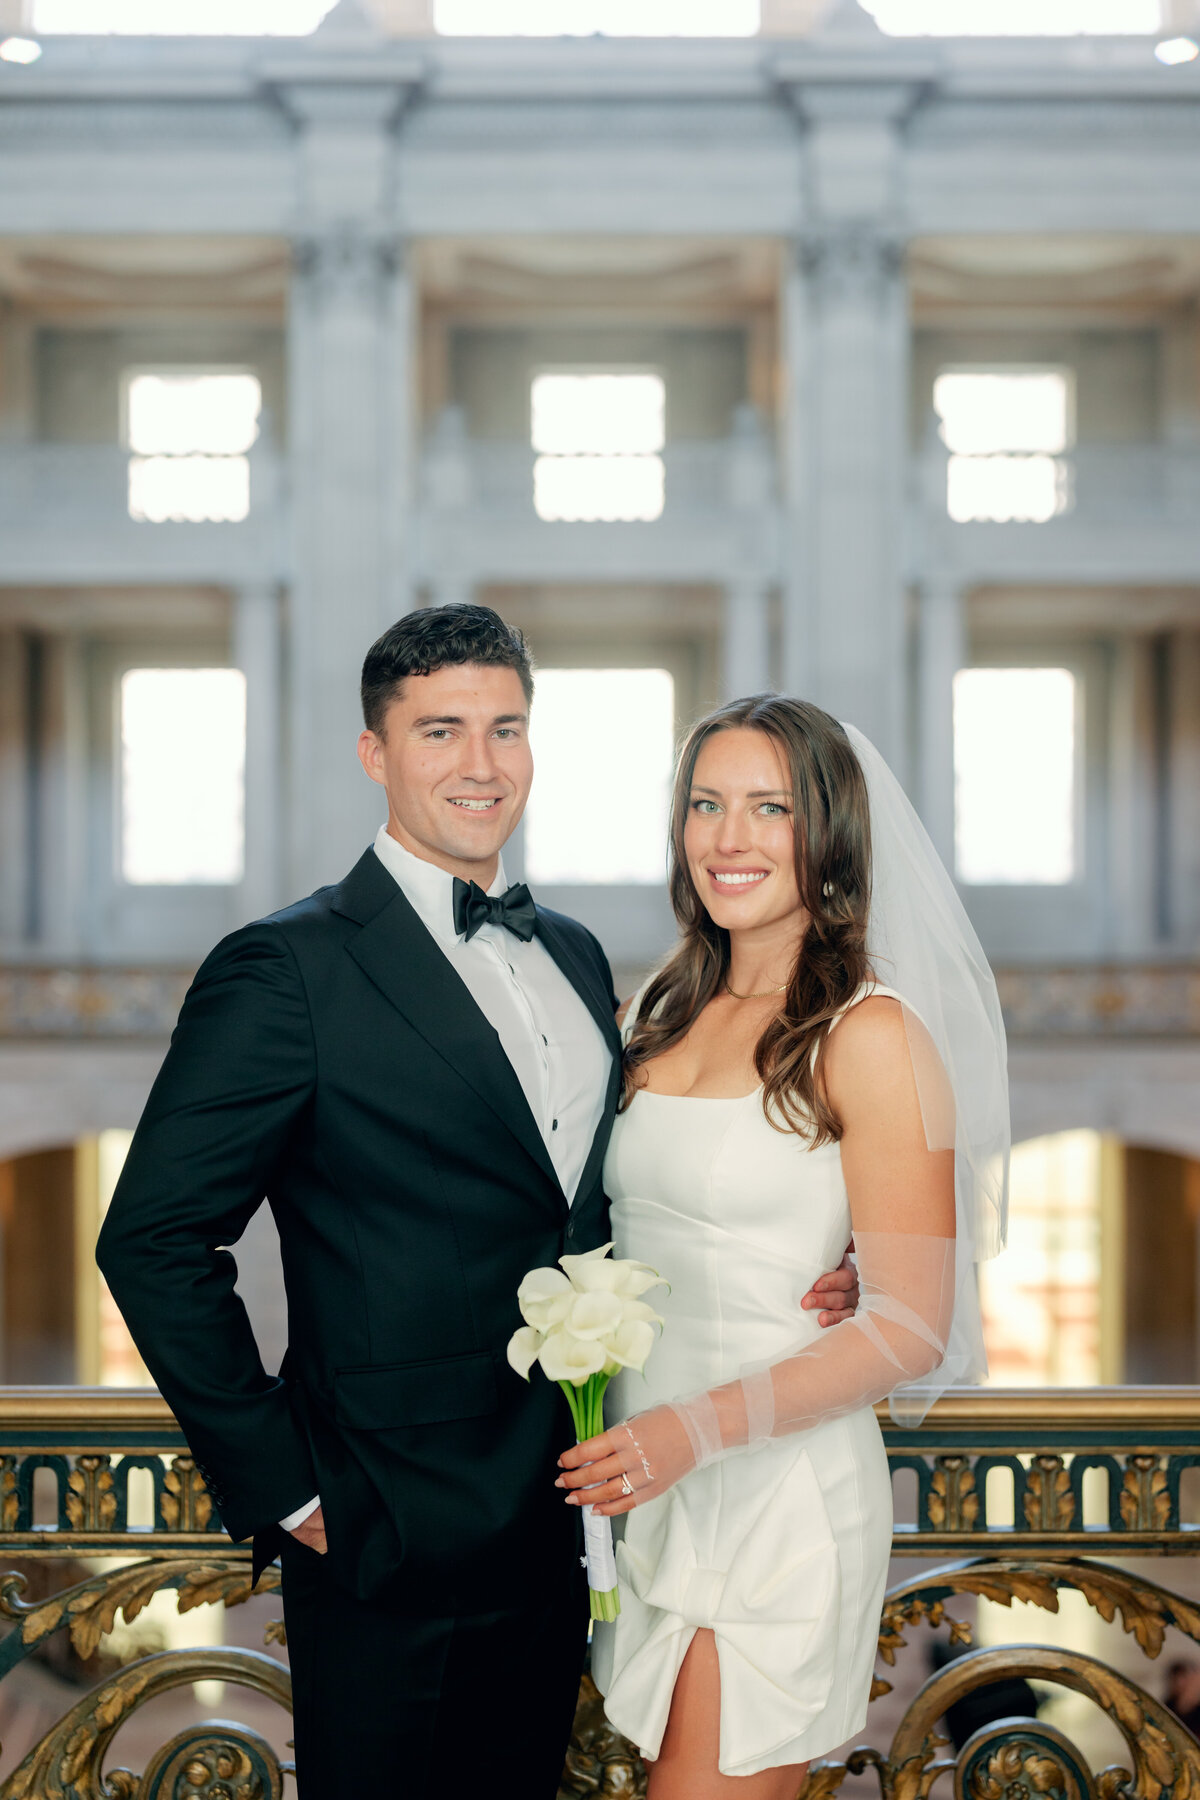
(781, 1551)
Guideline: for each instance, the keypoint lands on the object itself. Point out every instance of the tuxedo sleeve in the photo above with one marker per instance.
(238, 1075)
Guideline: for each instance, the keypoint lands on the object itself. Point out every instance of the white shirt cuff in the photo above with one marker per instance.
(301, 1513)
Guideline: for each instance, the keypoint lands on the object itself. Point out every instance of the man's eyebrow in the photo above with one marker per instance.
(455, 719)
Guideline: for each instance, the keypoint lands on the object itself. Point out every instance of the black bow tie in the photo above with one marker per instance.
(513, 909)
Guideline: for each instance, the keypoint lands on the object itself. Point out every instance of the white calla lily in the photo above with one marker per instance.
(638, 1278)
(631, 1343)
(637, 1309)
(523, 1348)
(544, 1298)
(586, 1259)
(567, 1358)
(593, 1315)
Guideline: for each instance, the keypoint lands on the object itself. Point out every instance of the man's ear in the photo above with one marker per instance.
(370, 755)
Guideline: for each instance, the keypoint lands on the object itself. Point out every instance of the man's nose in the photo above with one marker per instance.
(478, 761)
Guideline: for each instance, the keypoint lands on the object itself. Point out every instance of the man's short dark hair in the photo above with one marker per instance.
(439, 637)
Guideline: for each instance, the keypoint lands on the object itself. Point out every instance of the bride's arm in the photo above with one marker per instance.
(902, 1205)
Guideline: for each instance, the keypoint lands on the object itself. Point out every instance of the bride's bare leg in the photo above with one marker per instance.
(686, 1768)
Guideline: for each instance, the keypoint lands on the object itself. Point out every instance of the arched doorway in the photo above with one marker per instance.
(1099, 1281)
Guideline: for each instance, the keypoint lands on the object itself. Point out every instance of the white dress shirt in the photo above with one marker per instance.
(556, 1048)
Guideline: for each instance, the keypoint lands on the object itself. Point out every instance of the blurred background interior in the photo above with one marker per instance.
(850, 350)
(841, 349)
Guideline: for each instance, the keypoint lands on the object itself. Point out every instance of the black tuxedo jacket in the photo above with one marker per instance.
(329, 1060)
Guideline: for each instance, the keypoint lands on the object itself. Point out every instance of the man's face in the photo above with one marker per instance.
(455, 761)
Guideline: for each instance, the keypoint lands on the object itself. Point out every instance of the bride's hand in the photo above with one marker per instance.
(837, 1293)
(632, 1463)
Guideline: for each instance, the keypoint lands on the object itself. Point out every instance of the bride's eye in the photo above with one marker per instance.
(771, 807)
(705, 806)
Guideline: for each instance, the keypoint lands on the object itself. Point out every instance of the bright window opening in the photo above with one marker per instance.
(1005, 430)
(1015, 18)
(183, 754)
(201, 18)
(598, 439)
(603, 746)
(189, 434)
(1015, 802)
(586, 18)
(1041, 1302)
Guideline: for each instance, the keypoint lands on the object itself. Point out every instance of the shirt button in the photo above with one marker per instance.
(570, 1231)
(554, 1125)
(545, 1039)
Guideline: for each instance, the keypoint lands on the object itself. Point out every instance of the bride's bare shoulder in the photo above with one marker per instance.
(868, 1048)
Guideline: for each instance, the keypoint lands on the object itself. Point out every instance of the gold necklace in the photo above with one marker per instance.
(762, 996)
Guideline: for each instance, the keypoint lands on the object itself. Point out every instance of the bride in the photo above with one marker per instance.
(822, 1054)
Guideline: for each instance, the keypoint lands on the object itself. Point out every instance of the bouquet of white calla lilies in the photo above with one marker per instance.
(583, 1322)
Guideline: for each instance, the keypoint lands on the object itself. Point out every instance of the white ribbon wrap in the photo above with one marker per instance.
(598, 1551)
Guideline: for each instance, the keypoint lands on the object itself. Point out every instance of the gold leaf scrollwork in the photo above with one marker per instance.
(1166, 1758)
(91, 1502)
(1007, 1762)
(1145, 1609)
(912, 1777)
(601, 1764)
(953, 1504)
(202, 1764)
(1049, 1504)
(90, 1609)
(67, 1763)
(1017, 1768)
(1145, 1501)
(185, 1502)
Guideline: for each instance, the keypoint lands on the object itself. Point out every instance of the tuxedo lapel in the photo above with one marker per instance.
(598, 1001)
(397, 953)
(582, 978)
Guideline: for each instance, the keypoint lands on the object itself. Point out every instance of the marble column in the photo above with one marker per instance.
(350, 361)
(257, 652)
(746, 639)
(941, 652)
(1183, 791)
(1134, 814)
(846, 441)
(845, 343)
(14, 786)
(348, 373)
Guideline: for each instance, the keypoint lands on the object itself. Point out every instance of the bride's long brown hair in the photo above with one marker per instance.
(832, 831)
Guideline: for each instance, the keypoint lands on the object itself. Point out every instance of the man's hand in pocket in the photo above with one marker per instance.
(311, 1532)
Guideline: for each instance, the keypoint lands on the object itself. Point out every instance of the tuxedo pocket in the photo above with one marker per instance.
(383, 1396)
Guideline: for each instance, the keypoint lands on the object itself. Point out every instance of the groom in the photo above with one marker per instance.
(418, 1070)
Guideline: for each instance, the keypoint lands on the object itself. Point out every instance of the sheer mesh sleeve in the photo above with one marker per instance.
(899, 1334)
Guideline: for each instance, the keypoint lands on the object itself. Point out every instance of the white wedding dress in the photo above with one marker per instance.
(782, 1551)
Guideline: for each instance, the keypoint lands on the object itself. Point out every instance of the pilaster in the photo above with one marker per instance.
(845, 444)
(941, 652)
(257, 652)
(350, 376)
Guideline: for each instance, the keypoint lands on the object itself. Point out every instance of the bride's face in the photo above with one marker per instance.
(739, 835)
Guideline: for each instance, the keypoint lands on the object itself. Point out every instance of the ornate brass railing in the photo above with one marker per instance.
(1029, 1484)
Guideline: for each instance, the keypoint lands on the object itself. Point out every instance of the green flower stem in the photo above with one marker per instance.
(605, 1606)
(587, 1413)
